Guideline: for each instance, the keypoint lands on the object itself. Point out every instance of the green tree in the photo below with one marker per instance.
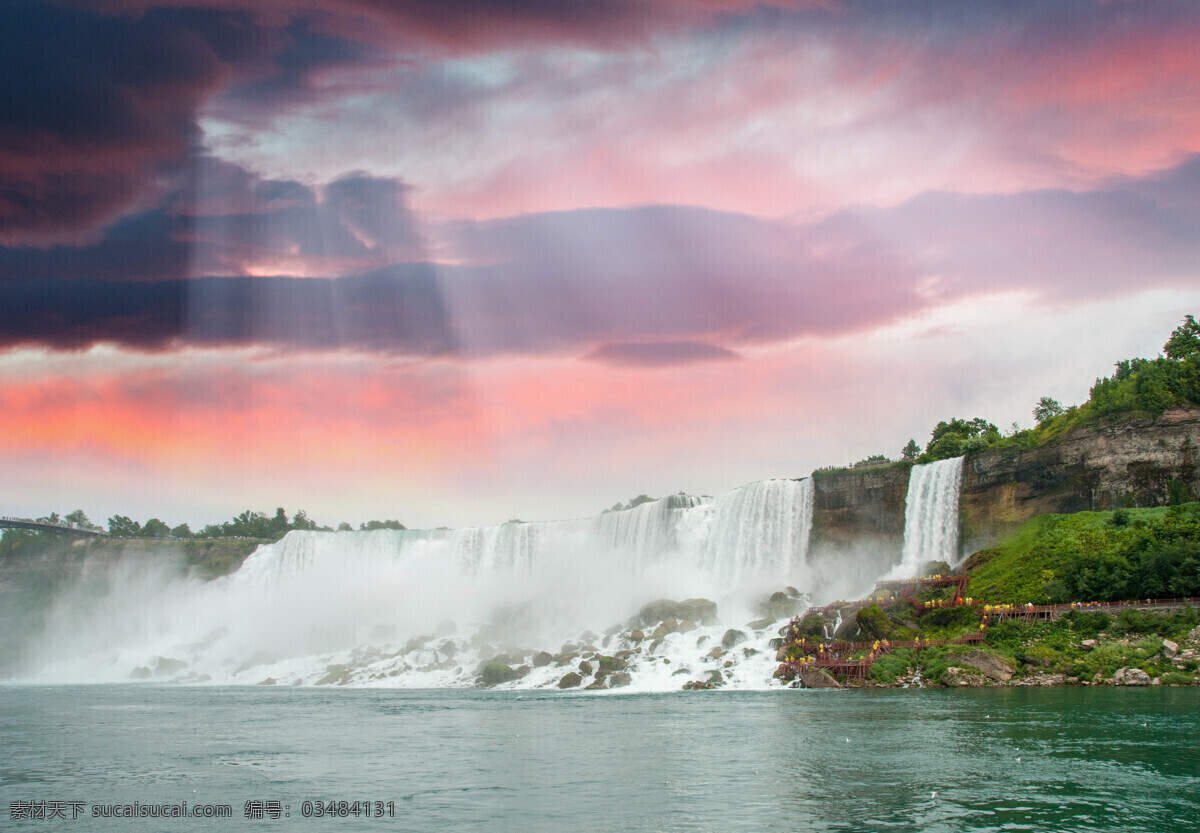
(301, 521)
(181, 531)
(155, 528)
(120, 526)
(911, 451)
(344, 527)
(80, 519)
(1046, 408)
(382, 525)
(1184, 340)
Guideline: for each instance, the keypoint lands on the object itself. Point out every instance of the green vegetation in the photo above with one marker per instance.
(1093, 556)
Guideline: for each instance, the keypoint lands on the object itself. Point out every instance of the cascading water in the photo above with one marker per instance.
(931, 516)
(429, 608)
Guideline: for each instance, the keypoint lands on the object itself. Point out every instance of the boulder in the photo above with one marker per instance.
(268, 681)
(570, 680)
(716, 653)
(607, 665)
(585, 668)
(1136, 676)
(697, 610)
(637, 636)
(448, 649)
(140, 673)
(619, 679)
(657, 611)
(660, 633)
(686, 626)
(495, 673)
(780, 606)
(1170, 649)
(991, 665)
(817, 678)
(166, 666)
(542, 659)
(597, 685)
(1088, 644)
(732, 637)
(716, 678)
(760, 624)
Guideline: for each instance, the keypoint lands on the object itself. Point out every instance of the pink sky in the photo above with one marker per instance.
(453, 265)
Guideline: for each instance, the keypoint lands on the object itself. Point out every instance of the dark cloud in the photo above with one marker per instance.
(655, 354)
(100, 110)
(224, 220)
(647, 286)
(397, 311)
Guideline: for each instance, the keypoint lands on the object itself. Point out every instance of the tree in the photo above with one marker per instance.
(911, 451)
(1046, 408)
(381, 525)
(155, 528)
(181, 531)
(278, 526)
(80, 519)
(301, 521)
(120, 526)
(1184, 340)
(345, 527)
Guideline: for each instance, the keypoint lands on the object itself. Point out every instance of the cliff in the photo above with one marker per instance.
(1129, 463)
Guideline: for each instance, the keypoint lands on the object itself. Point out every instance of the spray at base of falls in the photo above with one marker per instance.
(931, 517)
(430, 608)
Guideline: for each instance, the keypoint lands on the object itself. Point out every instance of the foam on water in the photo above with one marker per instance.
(424, 608)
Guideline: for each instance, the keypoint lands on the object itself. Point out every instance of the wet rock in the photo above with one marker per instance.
(268, 681)
(781, 654)
(749, 652)
(780, 606)
(570, 680)
(817, 678)
(586, 668)
(448, 649)
(760, 624)
(166, 666)
(619, 679)
(565, 659)
(716, 653)
(597, 685)
(732, 637)
(660, 633)
(335, 675)
(695, 610)
(607, 665)
(587, 637)
(686, 626)
(701, 640)
(542, 659)
(677, 672)
(140, 673)
(655, 645)
(716, 678)
(495, 673)
(636, 636)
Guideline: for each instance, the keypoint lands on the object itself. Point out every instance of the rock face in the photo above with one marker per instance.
(1129, 463)
(570, 680)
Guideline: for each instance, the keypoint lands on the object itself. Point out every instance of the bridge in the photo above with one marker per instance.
(45, 526)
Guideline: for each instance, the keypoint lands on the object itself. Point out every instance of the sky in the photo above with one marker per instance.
(458, 263)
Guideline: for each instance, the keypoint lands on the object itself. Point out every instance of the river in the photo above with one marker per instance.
(1066, 759)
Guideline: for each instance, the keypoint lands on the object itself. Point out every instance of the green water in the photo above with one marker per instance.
(1001, 759)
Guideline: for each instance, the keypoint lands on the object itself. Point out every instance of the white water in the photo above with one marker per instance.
(423, 608)
(931, 517)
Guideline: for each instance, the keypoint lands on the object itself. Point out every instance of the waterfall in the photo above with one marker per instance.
(931, 516)
(390, 603)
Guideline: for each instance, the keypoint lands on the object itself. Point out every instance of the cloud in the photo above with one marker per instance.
(101, 110)
(656, 285)
(225, 220)
(655, 354)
